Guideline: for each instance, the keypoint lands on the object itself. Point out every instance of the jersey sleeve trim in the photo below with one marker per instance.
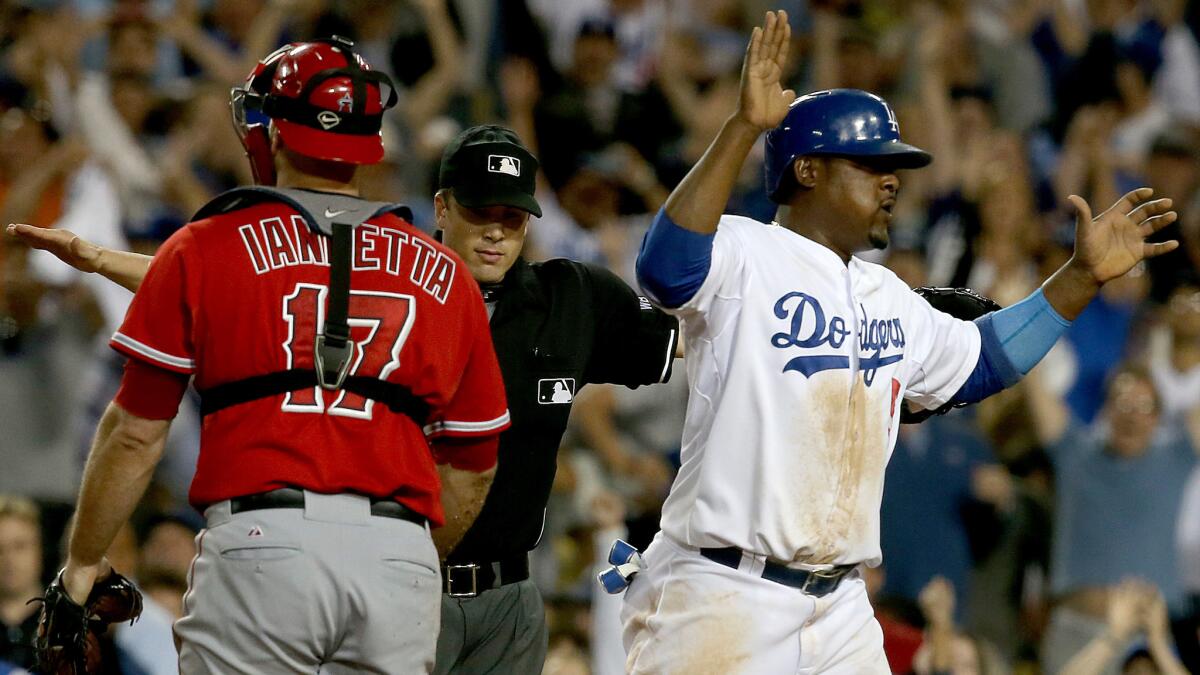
(131, 347)
(462, 428)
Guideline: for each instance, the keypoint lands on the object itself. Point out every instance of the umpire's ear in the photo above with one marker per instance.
(806, 170)
(441, 204)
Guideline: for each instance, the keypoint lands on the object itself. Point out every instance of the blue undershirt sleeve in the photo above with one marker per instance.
(1012, 341)
(673, 261)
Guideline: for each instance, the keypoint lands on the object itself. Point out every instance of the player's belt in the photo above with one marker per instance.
(817, 583)
(467, 580)
(293, 498)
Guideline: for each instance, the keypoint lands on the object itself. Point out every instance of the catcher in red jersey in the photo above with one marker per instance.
(350, 392)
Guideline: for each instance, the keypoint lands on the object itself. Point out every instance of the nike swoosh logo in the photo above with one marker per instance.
(334, 214)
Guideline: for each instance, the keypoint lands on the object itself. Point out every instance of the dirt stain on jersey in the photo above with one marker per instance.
(844, 449)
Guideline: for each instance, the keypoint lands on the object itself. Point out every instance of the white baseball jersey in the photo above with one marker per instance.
(797, 363)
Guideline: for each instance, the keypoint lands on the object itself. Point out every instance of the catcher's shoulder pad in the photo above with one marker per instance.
(319, 209)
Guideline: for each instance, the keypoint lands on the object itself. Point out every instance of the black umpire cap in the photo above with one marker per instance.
(489, 166)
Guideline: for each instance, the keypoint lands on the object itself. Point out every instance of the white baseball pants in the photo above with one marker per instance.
(687, 614)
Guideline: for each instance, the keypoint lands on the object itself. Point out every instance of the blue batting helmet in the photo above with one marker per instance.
(838, 122)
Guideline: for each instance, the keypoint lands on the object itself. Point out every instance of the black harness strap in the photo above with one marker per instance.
(332, 348)
(396, 397)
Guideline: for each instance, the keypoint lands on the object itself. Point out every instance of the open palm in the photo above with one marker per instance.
(764, 102)
(1110, 244)
(66, 246)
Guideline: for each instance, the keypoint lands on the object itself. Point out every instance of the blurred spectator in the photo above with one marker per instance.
(1175, 364)
(589, 109)
(1187, 543)
(1133, 608)
(634, 25)
(931, 478)
(1119, 485)
(947, 649)
(20, 578)
(1172, 168)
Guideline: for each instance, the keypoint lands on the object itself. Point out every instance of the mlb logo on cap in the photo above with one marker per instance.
(504, 164)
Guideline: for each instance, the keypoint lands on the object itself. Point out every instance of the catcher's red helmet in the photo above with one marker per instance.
(322, 97)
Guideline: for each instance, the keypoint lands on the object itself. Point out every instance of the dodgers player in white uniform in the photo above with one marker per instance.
(799, 355)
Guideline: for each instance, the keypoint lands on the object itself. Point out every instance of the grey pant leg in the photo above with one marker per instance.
(286, 590)
(504, 632)
(452, 636)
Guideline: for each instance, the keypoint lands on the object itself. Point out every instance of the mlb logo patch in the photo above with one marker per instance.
(504, 164)
(556, 390)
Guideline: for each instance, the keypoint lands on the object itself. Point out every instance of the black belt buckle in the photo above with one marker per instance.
(453, 580)
(822, 582)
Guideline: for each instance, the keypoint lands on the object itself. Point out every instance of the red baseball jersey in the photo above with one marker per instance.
(244, 293)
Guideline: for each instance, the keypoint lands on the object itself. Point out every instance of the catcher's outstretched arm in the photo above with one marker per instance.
(120, 267)
(124, 453)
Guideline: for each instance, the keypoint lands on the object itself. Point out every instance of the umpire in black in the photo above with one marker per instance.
(556, 326)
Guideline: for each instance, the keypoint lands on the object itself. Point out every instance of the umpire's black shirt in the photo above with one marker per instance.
(556, 326)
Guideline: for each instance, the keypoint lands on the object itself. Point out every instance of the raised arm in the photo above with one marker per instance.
(1107, 247)
(677, 251)
(697, 203)
(120, 267)
(1014, 339)
(428, 96)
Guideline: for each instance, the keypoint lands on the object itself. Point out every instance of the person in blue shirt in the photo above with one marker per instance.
(1119, 484)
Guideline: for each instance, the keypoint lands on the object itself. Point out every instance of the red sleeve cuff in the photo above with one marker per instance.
(467, 454)
(150, 392)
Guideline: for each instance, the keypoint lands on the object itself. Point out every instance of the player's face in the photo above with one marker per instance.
(865, 196)
(488, 239)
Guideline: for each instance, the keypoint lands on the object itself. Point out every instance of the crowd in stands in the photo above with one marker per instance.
(1052, 528)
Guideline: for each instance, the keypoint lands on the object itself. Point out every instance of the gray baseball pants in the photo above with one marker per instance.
(291, 590)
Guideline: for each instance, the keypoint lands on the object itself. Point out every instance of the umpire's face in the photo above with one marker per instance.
(487, 238)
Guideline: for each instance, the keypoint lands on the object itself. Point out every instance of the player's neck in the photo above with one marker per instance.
(299, 172)
(803, 221)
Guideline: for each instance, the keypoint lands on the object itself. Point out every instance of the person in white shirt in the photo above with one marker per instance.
(799, 356)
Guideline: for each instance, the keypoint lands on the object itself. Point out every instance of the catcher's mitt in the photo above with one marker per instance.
(68, 634)
(961, 303)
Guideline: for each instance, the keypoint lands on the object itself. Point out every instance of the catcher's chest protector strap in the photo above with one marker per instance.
(335, 216)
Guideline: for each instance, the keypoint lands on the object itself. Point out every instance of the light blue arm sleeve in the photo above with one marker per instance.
(1013, 340)
(673, 261)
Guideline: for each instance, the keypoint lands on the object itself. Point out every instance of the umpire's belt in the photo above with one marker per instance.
(467, 580)
(817, 583)
(293, 498)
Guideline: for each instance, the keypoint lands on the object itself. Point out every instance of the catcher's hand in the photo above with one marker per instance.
(68, 634)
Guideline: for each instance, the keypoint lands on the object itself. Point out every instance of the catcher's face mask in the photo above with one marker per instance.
(323, 99)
